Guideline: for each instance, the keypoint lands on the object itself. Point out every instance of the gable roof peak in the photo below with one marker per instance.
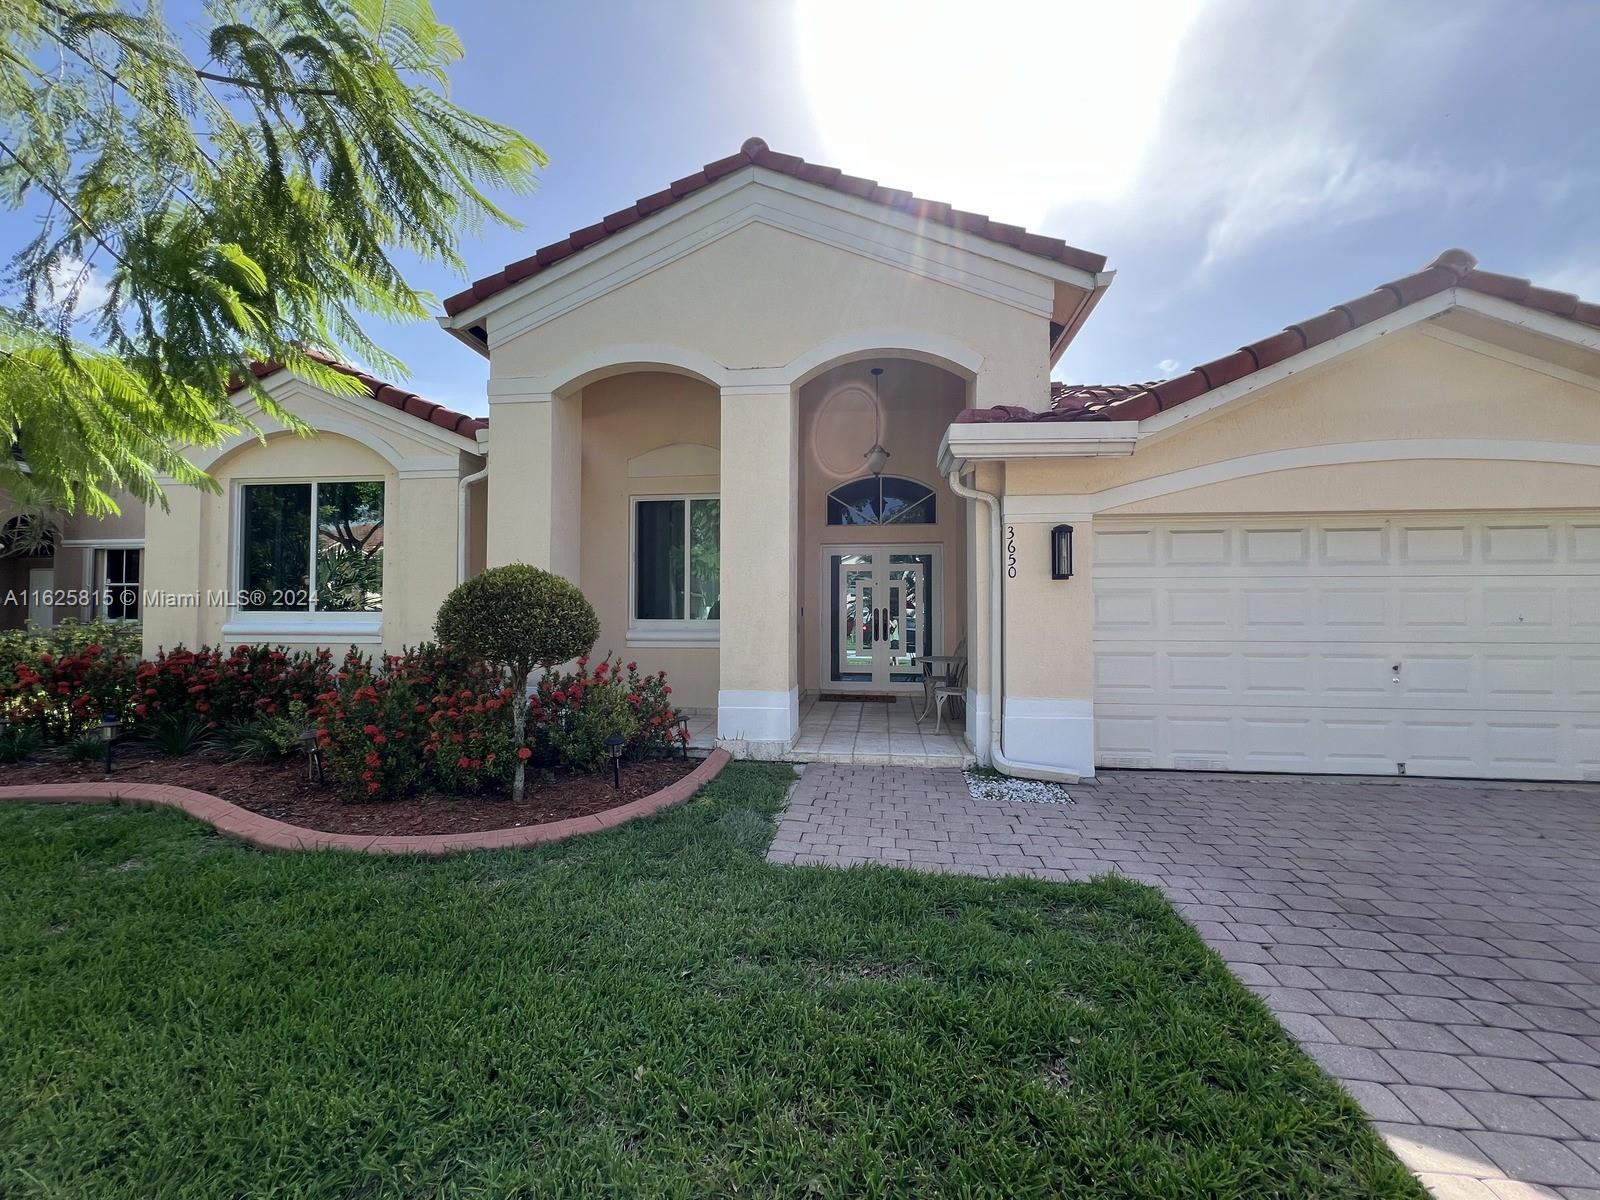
(756, 153)
(1454, 268)
(409, 403)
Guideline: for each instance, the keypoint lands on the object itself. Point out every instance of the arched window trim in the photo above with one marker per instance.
(922, 510)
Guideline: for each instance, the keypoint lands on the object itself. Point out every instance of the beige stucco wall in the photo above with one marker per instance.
(836, 426)
(624, 418)
(763, 297)
(189, 550)
(1407, 387)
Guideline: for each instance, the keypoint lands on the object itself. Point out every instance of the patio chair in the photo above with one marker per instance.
(932, 677)
(952, 692)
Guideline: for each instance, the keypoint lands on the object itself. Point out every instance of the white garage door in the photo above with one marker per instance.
(1429, 645)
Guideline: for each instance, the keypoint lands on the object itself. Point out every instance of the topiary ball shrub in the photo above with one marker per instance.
(519, 618)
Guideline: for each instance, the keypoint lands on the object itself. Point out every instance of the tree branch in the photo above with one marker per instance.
(55, 194)
(236, 81)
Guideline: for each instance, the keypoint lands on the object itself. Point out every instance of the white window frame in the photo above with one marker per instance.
(251, 624)
(102, 582)
(687, 631)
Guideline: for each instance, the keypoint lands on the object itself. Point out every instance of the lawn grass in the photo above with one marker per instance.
(653, 1011)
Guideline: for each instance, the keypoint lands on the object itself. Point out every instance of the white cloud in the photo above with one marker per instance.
(1580, 277)
(1168, 365)
(1274, 125)
(77, 286)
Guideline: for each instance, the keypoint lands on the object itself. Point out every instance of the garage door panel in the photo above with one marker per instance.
(1276, 547)
(1583, 542)
(1209, 610)
(1353, 545)
(1199, 547)
(1272, 645)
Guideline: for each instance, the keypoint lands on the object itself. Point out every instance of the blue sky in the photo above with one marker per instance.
(1242, 164)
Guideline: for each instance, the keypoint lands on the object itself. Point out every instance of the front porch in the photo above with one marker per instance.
(862, 733)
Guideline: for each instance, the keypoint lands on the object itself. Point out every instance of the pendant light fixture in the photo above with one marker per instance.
(877, 458)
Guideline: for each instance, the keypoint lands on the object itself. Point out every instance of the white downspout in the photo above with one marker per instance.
(461, 520)
(997, 675)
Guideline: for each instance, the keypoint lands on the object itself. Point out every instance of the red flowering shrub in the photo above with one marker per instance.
(65, 695)
(424, 718)
(230, 688)
(572, 713)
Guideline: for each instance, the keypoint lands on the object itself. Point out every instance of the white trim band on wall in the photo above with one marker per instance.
(757, 716)
(1052, 732)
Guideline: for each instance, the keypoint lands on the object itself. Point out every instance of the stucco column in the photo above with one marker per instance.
(758, 704)
(535, 478)
(173, 568)
(1048, 716)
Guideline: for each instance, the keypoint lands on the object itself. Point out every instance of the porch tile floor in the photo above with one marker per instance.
(861, 734)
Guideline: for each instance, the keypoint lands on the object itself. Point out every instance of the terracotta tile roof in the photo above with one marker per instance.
(755, 152)
(386, 393)
(1136, 402)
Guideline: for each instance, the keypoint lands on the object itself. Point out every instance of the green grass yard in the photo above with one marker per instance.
(654, 1011)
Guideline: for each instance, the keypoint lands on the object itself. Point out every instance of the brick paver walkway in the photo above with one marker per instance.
(1436, 946)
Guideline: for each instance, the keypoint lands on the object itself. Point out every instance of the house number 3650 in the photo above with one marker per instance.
(1011, 551)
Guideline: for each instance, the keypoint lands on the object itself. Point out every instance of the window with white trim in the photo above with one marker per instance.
(118, 594)
(677, 570)
(312, 547)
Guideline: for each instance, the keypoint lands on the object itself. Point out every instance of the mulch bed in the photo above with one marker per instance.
(280, 791)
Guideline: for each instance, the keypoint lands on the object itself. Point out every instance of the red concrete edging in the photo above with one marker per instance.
(264, 833)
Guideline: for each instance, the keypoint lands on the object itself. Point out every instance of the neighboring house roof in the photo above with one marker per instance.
(1136, 402)
(387, 393)
(755, 152)
(1071, 396)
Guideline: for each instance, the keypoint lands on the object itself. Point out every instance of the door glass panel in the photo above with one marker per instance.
(852, 617)
(916, 570)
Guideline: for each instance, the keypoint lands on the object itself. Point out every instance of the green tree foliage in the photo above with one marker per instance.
(233, 196)
(519, 618)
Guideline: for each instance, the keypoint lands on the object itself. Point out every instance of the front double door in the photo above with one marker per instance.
(881, 617)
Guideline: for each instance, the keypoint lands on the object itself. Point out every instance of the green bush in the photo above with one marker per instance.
(518, 618)
(176, 733)
(67, 639)
(577, 734)
(17, 742)
(269, 737)
(87, 747)
(573, 712)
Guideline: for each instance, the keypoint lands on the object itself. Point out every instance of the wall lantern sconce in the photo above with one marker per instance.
(110, 725)
(614, 745)
(1061, 552)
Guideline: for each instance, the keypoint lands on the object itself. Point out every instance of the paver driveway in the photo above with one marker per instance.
(1435, 945)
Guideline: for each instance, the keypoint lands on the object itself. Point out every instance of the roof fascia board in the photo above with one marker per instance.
(1574, 333)
(1465, 341)
(1001, 441)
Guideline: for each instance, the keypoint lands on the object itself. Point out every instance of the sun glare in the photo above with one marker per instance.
(1009, 107)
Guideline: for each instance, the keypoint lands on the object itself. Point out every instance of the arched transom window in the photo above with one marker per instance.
(881, 500)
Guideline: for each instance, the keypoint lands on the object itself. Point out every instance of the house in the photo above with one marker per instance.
(1369, 542)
